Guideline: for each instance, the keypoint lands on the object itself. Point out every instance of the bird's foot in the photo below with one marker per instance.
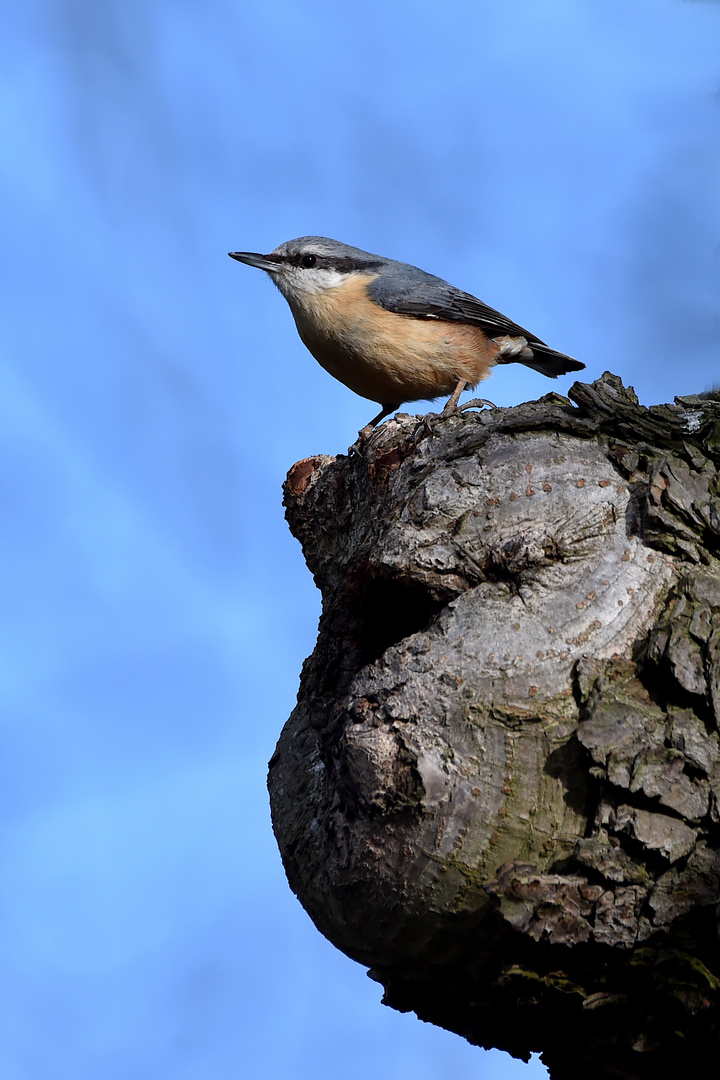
(365, 433)
(476, 403)
(363, 440)
(429, 422)
(426, 426)
(358, 447)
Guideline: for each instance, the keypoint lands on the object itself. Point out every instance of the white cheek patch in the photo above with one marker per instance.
(294, 283)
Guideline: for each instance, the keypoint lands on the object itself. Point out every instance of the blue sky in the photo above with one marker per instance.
(559, 159)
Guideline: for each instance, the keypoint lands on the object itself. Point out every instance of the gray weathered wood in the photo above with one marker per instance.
(499, 788)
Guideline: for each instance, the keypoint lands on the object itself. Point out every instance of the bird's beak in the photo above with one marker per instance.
(262, 262)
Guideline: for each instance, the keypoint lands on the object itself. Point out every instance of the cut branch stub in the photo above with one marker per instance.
(499, 787)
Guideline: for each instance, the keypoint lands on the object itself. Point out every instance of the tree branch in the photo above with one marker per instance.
(499, 788)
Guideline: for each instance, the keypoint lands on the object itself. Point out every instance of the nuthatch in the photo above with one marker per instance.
(391, 332)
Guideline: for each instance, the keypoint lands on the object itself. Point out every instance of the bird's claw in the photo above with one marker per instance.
(476, 403)
(430, 421)
(358, 447)
(425, 427)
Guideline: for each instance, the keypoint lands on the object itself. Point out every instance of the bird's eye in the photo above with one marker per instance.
(308, 261)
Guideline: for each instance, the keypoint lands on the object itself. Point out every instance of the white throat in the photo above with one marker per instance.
(296, 283)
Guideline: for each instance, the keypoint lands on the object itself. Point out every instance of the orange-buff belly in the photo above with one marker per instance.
(385, 357)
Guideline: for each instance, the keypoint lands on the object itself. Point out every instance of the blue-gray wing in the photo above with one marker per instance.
(407, 290)
(410, 291)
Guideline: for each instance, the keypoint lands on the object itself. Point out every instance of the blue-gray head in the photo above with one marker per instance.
(312, 264)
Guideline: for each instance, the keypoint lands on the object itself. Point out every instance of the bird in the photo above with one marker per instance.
(391, 332)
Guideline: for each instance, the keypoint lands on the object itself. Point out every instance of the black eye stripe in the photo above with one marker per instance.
(341, 263)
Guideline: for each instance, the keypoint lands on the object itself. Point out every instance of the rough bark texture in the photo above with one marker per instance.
(499, 788)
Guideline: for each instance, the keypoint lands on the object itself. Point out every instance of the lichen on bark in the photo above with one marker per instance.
(499, 788)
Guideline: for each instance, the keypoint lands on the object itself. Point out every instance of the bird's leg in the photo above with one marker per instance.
(452, 402)
(365, 433)
(452, 406)
(428, 422)
(385, 411)
(476, 403)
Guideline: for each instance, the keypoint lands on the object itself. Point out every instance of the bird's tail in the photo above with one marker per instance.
(541, 358)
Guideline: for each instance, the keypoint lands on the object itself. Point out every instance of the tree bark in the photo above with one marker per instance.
(499, 788)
